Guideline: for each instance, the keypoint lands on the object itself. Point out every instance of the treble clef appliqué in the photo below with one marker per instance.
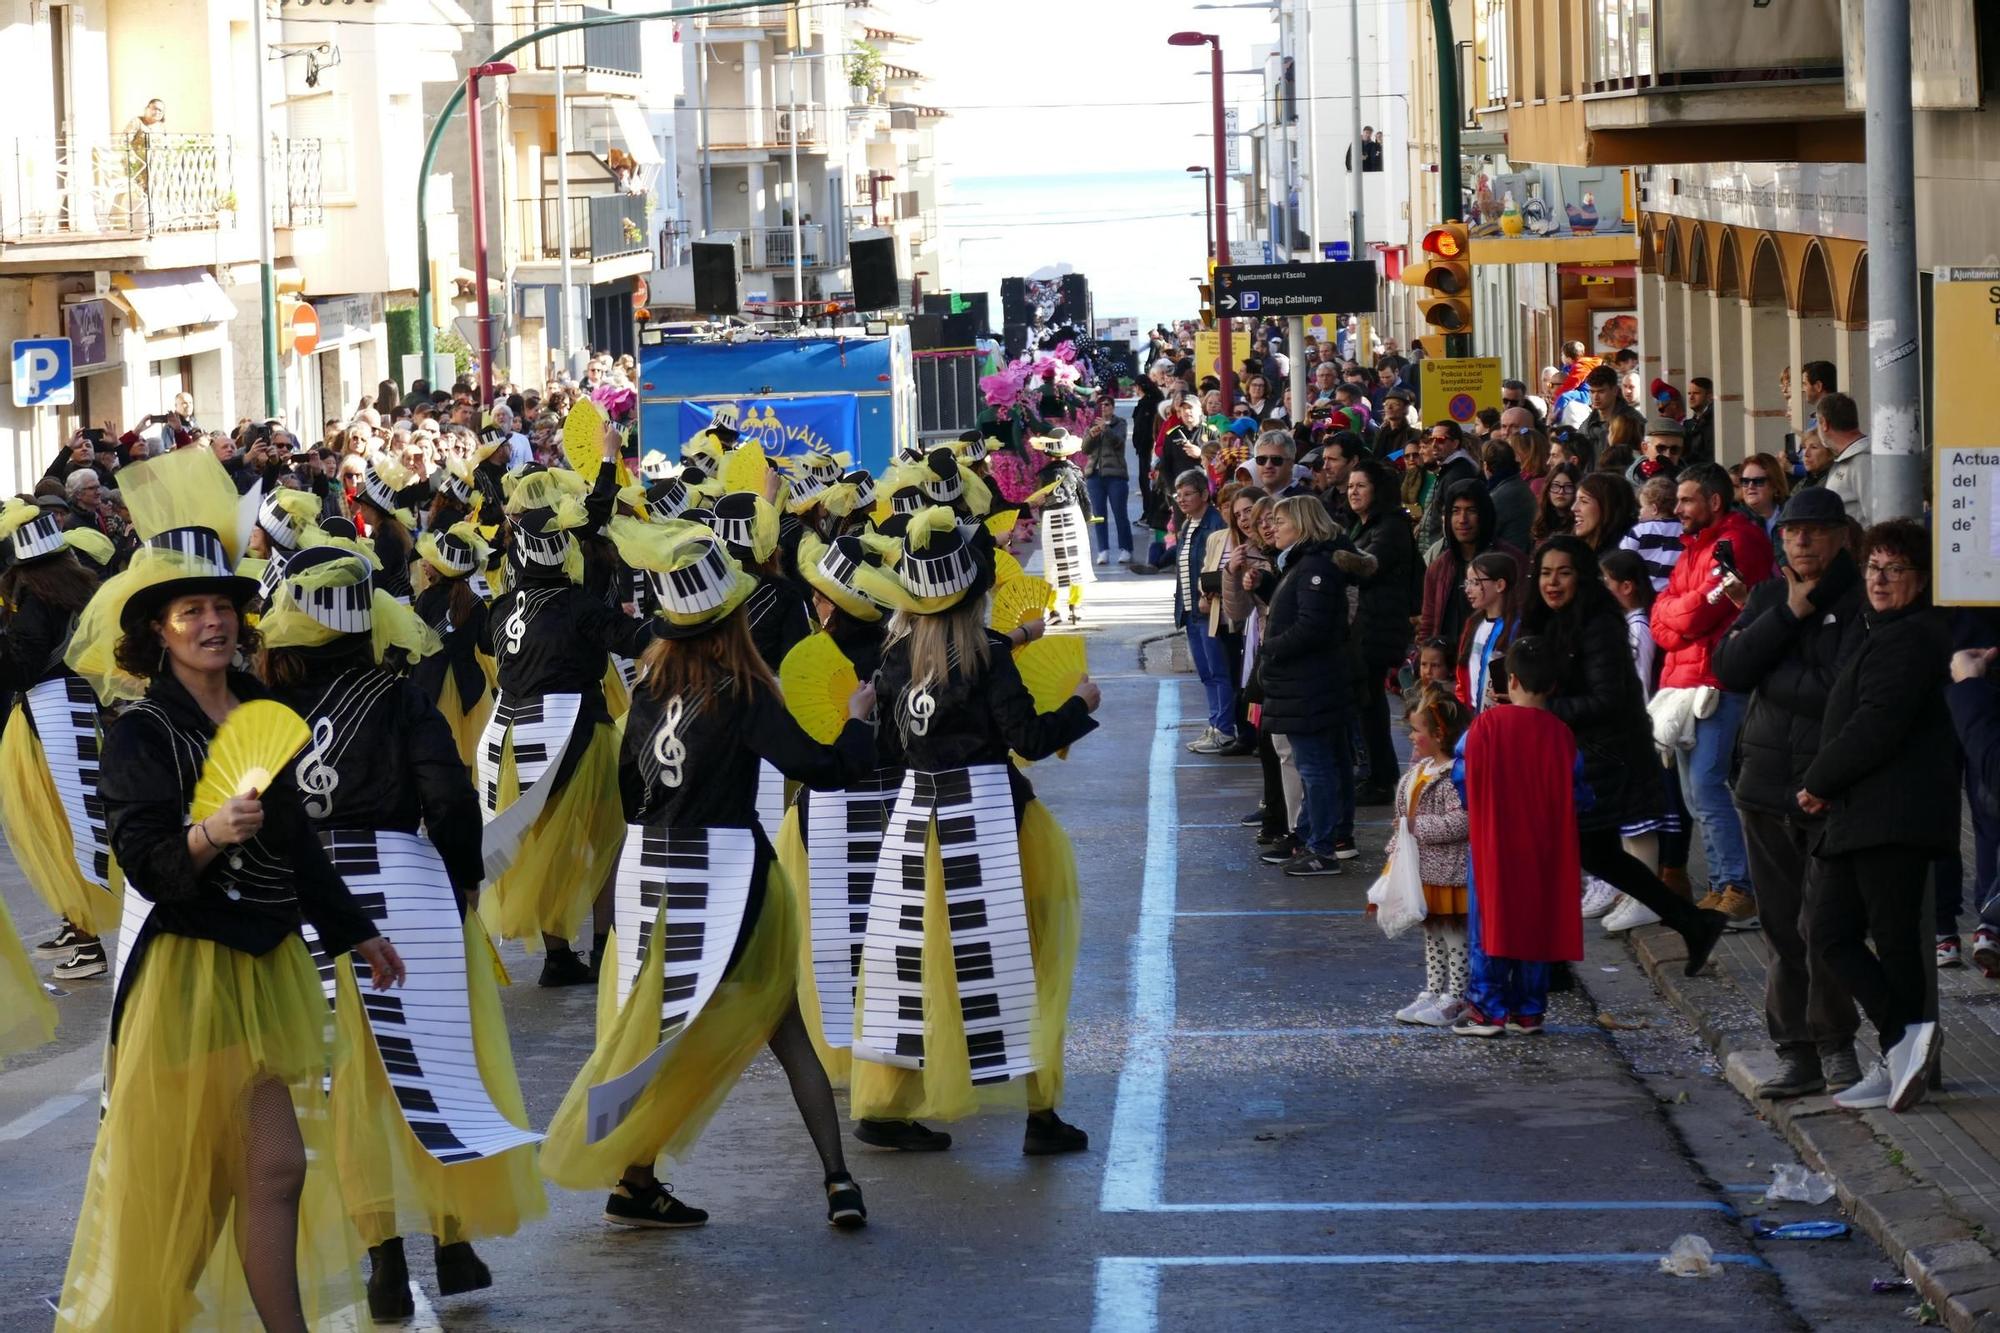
(516, 627)
(668, 747)
(920, 706)
(317, 776)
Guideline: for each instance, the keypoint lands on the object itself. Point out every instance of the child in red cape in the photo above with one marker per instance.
(1518, 773)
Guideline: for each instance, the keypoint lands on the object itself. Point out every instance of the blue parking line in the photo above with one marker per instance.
(1465, 1206)
(1272, 911)
(1399, 1030)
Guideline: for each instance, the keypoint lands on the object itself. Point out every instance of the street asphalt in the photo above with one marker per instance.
(1269, 1149)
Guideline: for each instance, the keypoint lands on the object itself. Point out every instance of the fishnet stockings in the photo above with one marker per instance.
(274, 1177)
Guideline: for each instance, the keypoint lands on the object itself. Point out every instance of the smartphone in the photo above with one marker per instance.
(1725, 557)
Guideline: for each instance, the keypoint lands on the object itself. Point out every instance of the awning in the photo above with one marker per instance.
(637, 134)
(173, 298)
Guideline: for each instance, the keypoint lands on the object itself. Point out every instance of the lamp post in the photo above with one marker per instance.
(473, 134)
(1207, 205)
(1225, 369)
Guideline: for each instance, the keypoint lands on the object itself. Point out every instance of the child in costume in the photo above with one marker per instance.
(1520, 779)
(1429, 802)
(1065, 519)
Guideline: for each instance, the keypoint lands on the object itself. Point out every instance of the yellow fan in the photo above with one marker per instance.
(745, 468)
(1023, 597)
(583, 442)
(251, 747)
(817, 678)
(1051, 667)
(1005, 568)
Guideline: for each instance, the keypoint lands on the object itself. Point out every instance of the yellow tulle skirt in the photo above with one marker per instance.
(567, 857)
(943, 1088)
(27, 1015)
(691, 1083)
(38, 833)
(617, 698)
(838, 1061)
(206, 1033)
(391, 1184)
(468, 721)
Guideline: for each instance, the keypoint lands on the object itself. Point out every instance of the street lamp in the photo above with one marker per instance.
(1207, 205)
(1220, 210)
(484, 318)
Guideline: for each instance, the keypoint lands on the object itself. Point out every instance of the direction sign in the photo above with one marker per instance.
(44, 372)
(1296, 289)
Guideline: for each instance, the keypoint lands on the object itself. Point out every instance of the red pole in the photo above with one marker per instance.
(485, 315)
(1208, 208)
(1220, 209)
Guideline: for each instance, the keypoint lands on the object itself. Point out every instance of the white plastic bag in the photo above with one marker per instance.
(1398, 894)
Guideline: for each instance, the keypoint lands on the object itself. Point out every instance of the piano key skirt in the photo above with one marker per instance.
(697, 1074)
(202, 1027)
(392, 1185)
(38, 832)
(943, 1089)
(568, 853)
(27, 1016)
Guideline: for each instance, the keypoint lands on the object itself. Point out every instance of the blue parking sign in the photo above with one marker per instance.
(44, 372)
(1252, 300)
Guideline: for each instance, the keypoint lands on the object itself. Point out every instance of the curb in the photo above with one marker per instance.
(1177, 663)
(1912, 1219)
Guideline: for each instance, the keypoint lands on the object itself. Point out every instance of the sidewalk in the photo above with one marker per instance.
(1926, 1184)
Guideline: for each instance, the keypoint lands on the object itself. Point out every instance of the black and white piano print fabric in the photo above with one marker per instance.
(843, 837)
(1066, 547)
(423, 1029)
(541, 730)
(770, 797)
(683, 891)
(973, 810)
(64, 714)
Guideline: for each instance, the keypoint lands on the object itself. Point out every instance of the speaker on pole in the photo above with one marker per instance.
(873, 256)
(715, 277)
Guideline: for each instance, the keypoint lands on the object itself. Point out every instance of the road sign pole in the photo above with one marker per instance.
(1451, 186)
(1226, 364)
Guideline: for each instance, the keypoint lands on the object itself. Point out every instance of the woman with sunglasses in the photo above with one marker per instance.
(1761, 484)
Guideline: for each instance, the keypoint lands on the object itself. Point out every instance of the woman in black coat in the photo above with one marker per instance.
(1886, 778)
(1599, 699)
(1382, 617)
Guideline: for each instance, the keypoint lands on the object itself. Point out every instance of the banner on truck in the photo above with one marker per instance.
(828, 422)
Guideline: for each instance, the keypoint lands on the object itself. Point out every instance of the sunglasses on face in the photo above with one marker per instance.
(1270, 460)
(1758, 480)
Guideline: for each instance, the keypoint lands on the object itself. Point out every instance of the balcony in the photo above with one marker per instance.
(295, 172)
(55, 192)
(601, 227)
(767, 129)
(595, 61)
(1651, 65)
(767, 17)
(767, 248)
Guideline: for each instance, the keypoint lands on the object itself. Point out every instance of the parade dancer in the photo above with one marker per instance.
(384, 488)
(1065, 520)
(748, 527)
(385, 790)
(550, 748)
(458, 679)
(52, 728)
(698, 870)
(955, 707)
(214, 1115)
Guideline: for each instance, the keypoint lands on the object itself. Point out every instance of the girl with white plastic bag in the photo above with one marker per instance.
(1426, 877)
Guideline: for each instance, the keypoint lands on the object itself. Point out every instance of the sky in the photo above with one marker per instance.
(1072, 127)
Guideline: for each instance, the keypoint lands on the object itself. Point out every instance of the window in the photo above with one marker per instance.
(1493, 48)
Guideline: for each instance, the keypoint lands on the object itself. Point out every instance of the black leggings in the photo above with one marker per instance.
(1604, 855)
(1276, 821)
(1375, 733)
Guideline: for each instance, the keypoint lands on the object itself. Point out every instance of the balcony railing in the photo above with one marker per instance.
(135, 185)
(768, 127)
(295, 171)
(675, 238)
(1639, 45)
(601, 226)
(610, 49)
(771, 247)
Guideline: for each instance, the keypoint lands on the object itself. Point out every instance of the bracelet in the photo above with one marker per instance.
(202, 824)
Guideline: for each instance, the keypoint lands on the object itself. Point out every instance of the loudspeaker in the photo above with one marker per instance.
(875, 285)
(1016, 340)
(1014, 301)
(715, 278)
(926, 332)
(1073, 301)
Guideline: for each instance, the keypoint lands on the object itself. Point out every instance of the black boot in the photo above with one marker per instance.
(1798, 1075)
(564, 967)
(1048, 1135)
(902, 1135)
(459, 1270)
(389, 1295)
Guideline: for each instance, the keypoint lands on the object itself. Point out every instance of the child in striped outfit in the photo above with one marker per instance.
(1657, 534)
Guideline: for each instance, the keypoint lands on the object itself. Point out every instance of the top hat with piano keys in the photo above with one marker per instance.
(1058, 441)
(286, 514)
(747, 525)
(28, 533)
(380, 484)
(669, 497)
(701, 458)
(194, 561)
(455, 552)
(944, 481)
(723, 423)
(695, 580)
(942, 562)
(971, 447)
(654, 465)
(455, 483)
(327, 594)
(831, 570)
(854, 493)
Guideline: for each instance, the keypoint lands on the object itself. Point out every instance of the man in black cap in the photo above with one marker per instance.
(1784, 650)
(1397, 432)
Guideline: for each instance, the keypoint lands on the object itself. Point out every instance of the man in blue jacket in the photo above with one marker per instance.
(1200, 521)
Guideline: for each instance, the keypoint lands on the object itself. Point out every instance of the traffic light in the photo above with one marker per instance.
(1445, 278)
(1207, 290)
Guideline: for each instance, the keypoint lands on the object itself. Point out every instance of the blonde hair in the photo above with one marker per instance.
(1308, 515)
(944, 641)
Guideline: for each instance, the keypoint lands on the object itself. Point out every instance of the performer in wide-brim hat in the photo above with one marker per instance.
(748, 527)
(459, 679)
(706, 714)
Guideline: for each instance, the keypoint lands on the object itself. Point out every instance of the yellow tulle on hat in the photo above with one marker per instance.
(93, 645)
(811, 551)
(665, 545)
(187, 488)
(317, 536)
(817, 679)
(926, 524)
(840, 499)
(301, 507)
(427, 547)
(583, 441)
(286, 624)
(90, 542)
(745, 468)
(543, 490)
(17, 514)
(708, 447)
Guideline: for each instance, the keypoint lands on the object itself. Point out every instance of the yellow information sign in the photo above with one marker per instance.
(1965, 348)
(1454, 389)
(1207, 354)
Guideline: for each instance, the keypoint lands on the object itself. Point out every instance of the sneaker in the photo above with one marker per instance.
(1442, 1012)
(1103, 557)
(1702, 944)
(1408, 1013)
(1344, 849)
(1708, 902)
(1255, 819)
(1124, 557)
(902, 1135)
(1598, 898)
(1048, 1135)
(1272, 837)
(1909, 1066)
(564, 967)
(1285, 849)
(389, 1297)
(1312, 865)
(1473, 1023)
(1200, 743)
(1871, 1092)
(652, 1206)
(1236, 748)
(1526, 1025)
(1739, 907)
(63, 944)
(459, 1269)
(1799, 1075)
(1948, 952)
(1986, 951)
(1629, 915)
(844, 1206)
(1219, 743)
(1841, 1068)
(88, 961)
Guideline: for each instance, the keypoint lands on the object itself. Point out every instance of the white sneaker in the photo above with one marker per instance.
(1629, 913)
(1598, 897)
(1410, 1013)
(1872, 1091)
(1441, 1013)
(1200, 744)
(1124, 557)
(1104, 557)
(1909, 1061)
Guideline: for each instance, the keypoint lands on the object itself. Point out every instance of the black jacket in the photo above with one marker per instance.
(459, 657)
(32, 639)
(550, 636)
(1888, 764)
(1598, 697)
(1460, 467)
(1975, 715)
(1145, 425)
(1382, 619)
(1787, 665)
(778, 618)
(385, 760)
(392, 560)
(1299, 662)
